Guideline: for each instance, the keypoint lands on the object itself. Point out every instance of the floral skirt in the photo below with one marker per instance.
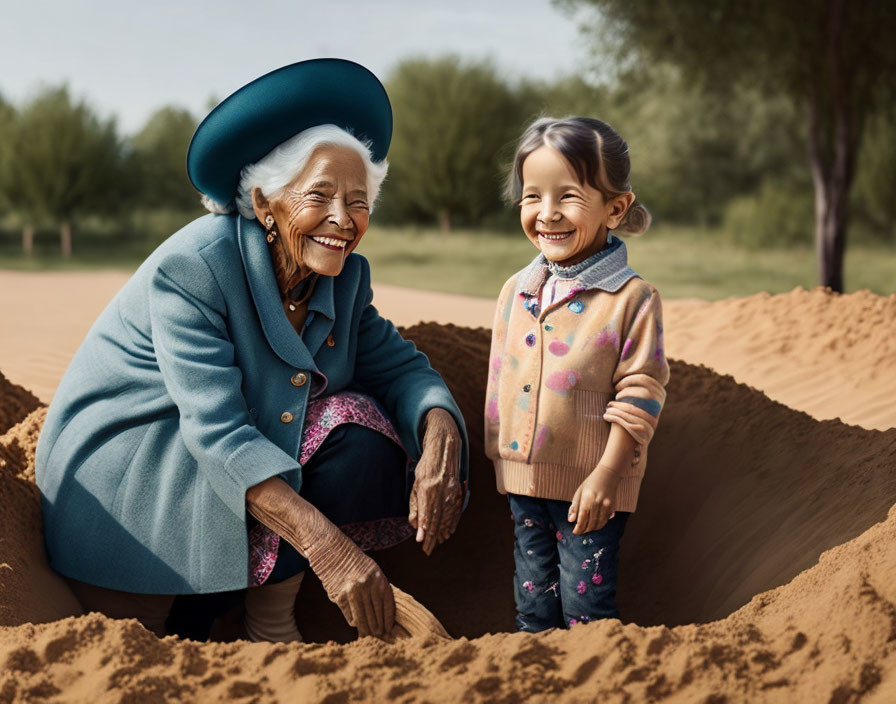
(355, 471)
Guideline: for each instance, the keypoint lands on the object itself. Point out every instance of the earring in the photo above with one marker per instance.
(271, 233)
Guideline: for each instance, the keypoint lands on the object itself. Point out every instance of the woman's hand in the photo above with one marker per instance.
(594, 501)
(437, 496)
(353, 581)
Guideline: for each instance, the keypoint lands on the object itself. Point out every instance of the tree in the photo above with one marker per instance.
(66, 162)
(835, 59)
(159, 159)
(453, 124)
(8, 120)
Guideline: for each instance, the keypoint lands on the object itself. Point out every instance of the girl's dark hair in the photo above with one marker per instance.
(597, 154)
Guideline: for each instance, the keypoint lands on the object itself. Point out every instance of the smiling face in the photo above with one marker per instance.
(565, 219)
(323, 212)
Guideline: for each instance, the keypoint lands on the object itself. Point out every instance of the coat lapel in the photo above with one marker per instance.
(263, 284)
(323, 306)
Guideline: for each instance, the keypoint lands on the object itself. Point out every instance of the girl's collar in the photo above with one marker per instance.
(573, 270)
(608, 272)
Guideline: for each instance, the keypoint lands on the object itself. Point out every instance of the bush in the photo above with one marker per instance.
(779, 215)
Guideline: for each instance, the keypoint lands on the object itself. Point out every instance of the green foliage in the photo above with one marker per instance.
(65, 160)
(159, 160)
(779, 215)
(873, 202)
(8, 120)
(454, 125)
(833, 59)
(565, 97)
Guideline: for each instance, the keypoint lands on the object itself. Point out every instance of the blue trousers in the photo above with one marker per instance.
(561, 579)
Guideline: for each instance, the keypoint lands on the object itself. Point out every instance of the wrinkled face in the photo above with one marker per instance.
(323, 213)
(565, 219)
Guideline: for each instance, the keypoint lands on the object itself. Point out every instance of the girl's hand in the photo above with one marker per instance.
(594, 501)
(437, 496)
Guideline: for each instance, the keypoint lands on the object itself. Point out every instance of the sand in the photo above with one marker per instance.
(829, 355)
(50, 312)
(761, 563)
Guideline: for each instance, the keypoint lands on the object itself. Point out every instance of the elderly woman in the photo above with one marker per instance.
(241, 387)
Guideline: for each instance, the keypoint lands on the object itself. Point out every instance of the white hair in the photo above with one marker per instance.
(284, 162)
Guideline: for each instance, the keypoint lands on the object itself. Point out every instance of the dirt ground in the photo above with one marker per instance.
(760, 564)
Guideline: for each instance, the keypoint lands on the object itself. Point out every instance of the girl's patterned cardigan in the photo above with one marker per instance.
(558, 377)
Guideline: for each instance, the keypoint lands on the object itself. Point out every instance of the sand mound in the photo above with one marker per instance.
(15, 403)
(768, 528)
(828, 354)
(29, 590)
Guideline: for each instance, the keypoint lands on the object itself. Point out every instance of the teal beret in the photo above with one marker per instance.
(248, 124)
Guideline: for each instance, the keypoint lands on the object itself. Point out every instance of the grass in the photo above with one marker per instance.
(681, 262)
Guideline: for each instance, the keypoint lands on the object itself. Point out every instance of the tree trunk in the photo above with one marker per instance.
(28, 240)
(832, 154)
(445, 221)
(65, 239)
(830, 242)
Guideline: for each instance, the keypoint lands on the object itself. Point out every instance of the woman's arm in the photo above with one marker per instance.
(426, 417)
(353, 581)
(198, 365)
(437, 497)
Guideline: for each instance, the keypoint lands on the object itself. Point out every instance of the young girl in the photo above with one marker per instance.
(576, 372)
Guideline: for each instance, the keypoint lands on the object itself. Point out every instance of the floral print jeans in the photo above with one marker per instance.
(562, 579)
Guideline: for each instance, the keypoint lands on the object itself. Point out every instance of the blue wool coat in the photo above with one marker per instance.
(188, 390)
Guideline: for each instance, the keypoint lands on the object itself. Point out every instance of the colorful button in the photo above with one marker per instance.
(298, 379)
(286, 417)
(514, 445)
(576, 306)
(530, 339)
(527, 388)
(330, 341)
(548, 327)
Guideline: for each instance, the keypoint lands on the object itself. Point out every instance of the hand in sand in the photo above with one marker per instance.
(353, 581)
(594, 502)
(437, 496)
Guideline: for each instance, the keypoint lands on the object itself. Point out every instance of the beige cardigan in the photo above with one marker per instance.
(553, 372)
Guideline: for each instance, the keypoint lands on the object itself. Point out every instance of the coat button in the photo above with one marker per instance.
(527, 388)
(298, 380)
(530, 339)
(286, 417)
(330, 341)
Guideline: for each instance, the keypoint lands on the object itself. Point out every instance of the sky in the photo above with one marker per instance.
(129, 58)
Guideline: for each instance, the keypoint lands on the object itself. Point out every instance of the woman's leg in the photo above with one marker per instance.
(536, 576)
(151, 610)
(356, 475)
(589, 567)
(270, 611)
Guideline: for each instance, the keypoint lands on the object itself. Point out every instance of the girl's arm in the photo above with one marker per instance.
(592, 505)
(639, 380)
(641, 374)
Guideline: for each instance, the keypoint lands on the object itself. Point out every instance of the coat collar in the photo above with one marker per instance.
(609, 273)
(282, 337)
